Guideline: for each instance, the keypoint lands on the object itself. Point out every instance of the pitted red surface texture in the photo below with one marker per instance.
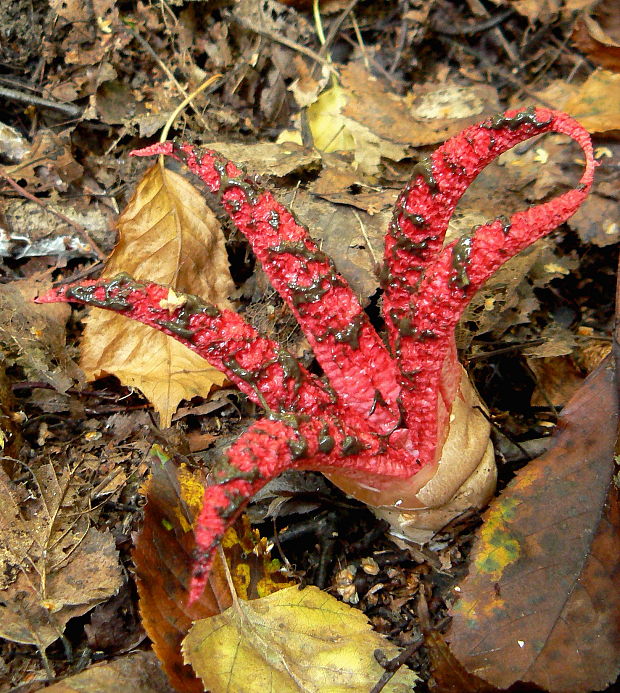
(383, 413)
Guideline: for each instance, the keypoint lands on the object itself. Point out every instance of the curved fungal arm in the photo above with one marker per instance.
(258, 366)
(416, 232)
(349, 350)
(421, 325)
(270, 447)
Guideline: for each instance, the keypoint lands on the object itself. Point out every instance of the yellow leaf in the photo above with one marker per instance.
(167, 234)
(328, 125)
(288, 642)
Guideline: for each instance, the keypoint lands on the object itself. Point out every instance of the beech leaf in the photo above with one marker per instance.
(293, 640)
(541, 603)
(169, 235)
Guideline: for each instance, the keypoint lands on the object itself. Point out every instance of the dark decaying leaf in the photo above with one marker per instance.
(163, 556)
(541, 603)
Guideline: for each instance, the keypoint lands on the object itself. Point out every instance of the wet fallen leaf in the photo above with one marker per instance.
(541, 603)
(448, 674)
(291, 641)
(163, 558)
(139, 671)
(167, 235)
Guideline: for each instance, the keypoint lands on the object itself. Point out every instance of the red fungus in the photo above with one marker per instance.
(381, 428)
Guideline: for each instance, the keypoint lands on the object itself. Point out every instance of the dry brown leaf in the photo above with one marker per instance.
(48, 557)
(49, 163)
(597, 103)
(557, 380)
(597, 33)
(537, 11)
(167, 235)
(139, 672)
(292, 641)
(269, 158)
(33, 337)
(596, 221)
(541, 602)
(428, 115)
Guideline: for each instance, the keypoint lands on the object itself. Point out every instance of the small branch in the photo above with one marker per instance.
(32, 100)
(391, 666)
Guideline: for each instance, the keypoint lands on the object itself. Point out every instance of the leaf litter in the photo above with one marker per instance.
(120, 59)
(47, 549)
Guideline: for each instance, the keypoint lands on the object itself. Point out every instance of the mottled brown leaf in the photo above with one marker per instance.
(48, 556)
(139, 672)
(541, 603)
(167, 235)
(163, 558)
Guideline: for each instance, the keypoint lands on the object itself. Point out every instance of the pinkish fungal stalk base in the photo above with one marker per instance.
(400, 427)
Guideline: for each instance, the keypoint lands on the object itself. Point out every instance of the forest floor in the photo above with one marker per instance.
(82, 84)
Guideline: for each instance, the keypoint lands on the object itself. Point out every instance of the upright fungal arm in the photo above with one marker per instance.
(344, 342)
(426, 287)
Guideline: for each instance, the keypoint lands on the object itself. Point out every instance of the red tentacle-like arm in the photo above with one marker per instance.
(427, 288)
(351, 353)
(258, 366)
(353, 428)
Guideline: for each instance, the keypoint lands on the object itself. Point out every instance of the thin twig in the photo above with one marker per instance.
(80, 229)
(335, 27)
(145, 44)
(21, 97)
(272, 36)
(393, 665)
(368, 243)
